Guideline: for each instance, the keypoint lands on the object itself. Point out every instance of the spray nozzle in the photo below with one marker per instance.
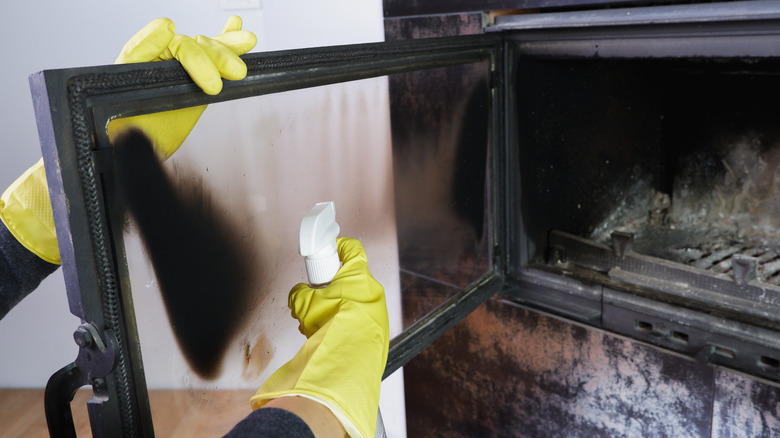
(317, 243)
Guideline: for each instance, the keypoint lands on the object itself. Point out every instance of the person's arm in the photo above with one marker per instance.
(289, 417)
(21, 271)
(333, 382)
(273, 422)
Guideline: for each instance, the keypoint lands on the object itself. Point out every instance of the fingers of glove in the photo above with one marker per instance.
(239, 41)
(353, 285)
(311, 308)
(354, 267)
(351, 251)
(148, 43)
(233, 23)
(298, 301)
(227, 62)
(197, 63)
(354, 281)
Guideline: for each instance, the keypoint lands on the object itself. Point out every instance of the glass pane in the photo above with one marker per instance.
(440, 122)
(242, 181)
(415, 195)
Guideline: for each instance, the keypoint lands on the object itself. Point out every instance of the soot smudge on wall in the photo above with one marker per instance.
(198, 256)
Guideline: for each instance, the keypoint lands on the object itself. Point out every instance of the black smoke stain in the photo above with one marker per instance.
(470, 183)
(197, 253)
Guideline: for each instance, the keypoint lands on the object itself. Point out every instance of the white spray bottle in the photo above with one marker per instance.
(317, 243)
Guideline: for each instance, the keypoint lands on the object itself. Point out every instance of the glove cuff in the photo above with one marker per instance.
(25, 210)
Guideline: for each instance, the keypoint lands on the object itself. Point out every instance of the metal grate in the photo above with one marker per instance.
(718, 257)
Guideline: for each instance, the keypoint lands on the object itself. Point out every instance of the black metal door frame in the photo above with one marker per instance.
(71, 104)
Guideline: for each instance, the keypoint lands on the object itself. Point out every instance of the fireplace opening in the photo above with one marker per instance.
(645, 200)
(682, 154)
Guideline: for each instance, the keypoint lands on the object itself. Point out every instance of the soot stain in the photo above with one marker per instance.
(256, 357)
(198, 255)
(469, 183)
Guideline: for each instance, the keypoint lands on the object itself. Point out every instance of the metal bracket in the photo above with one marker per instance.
(621, 243)
(744, 268)
(95, 360)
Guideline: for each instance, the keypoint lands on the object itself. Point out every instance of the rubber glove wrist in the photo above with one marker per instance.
(25, 210)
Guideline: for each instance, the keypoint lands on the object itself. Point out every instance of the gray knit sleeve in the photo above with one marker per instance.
(271, 422)
(21, 271)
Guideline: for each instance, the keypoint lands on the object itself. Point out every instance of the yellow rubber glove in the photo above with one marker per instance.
(206, 60)
(342, 361)
(25, 208)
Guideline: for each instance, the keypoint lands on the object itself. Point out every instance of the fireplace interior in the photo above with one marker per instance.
(643, 186)
(683, 154)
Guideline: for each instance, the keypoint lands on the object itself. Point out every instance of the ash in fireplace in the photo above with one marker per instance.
(724, 202)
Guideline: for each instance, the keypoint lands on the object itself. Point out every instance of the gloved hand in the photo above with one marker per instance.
(342, 361)
(206, 60)
(25, 208)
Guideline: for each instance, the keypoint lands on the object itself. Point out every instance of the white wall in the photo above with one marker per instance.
(36, 337)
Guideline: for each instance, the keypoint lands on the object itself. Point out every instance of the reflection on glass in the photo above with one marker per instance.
(440, 126)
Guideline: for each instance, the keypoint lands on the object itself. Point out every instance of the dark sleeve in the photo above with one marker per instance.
(21, 271)
(271, 422)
